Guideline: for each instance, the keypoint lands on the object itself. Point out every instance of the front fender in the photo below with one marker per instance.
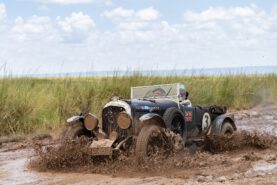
(74, 119)
(218, 122)
(150, 118)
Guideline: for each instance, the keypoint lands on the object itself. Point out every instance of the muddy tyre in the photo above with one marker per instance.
(73, 131)
(227, 129)
(174, 120)
(151, 141)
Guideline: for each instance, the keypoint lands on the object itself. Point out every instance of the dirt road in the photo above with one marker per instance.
(245, 166)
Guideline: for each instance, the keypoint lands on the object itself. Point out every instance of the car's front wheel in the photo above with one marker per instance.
(73, 131)
(151, 141)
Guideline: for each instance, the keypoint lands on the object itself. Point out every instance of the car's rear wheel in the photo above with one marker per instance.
(151, 141)
(227, 129)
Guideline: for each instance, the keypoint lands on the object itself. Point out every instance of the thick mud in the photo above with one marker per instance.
(239, 141)
(248, 157)
(75, 155)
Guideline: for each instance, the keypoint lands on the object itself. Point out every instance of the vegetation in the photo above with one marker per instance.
(28, 104)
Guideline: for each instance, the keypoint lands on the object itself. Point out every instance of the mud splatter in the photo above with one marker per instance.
(239, 140)
(67, 154)
(74, 156)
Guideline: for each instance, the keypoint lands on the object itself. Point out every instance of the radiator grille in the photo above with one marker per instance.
(109, 124)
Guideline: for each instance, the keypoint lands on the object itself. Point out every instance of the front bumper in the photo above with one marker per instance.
(101, 147)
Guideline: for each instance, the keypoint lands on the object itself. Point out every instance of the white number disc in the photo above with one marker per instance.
(206, 121)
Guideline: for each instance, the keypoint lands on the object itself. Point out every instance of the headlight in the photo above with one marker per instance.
(124, 120)
(90, 122)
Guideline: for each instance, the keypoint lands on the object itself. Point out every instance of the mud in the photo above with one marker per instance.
(238, 141)
(249, 157)
(75, 155)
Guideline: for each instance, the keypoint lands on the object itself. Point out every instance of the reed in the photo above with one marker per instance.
(29, 104)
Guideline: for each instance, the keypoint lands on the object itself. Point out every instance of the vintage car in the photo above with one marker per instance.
(155, 117)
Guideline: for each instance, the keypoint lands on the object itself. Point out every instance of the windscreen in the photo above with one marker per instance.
(155, 91)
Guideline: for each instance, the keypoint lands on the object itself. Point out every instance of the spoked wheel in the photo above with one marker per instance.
(174, 120)
(74, 131)
(151, 142)
(227, 129)
(177, 125)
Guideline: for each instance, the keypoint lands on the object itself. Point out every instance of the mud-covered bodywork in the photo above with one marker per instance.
(162, 105)
(138, 108)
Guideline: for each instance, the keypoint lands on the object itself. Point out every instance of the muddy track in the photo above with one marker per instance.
(248, 159)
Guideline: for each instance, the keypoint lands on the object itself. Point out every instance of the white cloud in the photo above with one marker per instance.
(118, 14)
(235, 23)
(34, 28)
(215, 37)
(220, 13)
(76, 27)
(121, 14)
(3, 12)
(135, 24)
(77, 21)
(148, 14)
(69, 2)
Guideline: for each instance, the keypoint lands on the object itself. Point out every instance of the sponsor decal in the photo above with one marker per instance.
(148, 108)
(188, 116)
(154, 109)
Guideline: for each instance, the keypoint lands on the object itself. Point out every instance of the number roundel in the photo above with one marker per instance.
(206, 121)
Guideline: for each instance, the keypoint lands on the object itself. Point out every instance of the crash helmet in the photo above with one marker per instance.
(182, 93)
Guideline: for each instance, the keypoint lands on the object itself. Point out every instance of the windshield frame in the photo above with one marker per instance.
(174, 85)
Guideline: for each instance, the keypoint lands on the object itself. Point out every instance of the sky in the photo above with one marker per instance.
(63, 36)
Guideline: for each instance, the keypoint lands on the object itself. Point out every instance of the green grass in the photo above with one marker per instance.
(29, 104)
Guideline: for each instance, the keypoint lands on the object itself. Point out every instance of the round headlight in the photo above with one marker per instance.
(90, 122)
(124, 120)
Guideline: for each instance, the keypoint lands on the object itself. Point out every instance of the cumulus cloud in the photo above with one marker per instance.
(77, 21)
(34, 28)
(148, 14)
(74, 28)
(220, 13)
(118, 14)
(214, 37)
(2, 11)
(234, 23)
(135, 25)
(69, 2)
(122, 14)
(77, 26)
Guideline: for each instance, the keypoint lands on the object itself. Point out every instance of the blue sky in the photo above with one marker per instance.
(57, 36)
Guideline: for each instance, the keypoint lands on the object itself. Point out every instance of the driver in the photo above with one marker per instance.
(158, 92)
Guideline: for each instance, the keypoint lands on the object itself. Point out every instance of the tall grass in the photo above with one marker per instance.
(28, 104)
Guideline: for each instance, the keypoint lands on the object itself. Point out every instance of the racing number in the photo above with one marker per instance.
(206, 121)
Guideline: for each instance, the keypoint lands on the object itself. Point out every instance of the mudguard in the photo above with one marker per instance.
(218, 122)
(150, 118)
(74, 119)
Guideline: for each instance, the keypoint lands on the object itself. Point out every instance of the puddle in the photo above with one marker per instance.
(229, 159)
